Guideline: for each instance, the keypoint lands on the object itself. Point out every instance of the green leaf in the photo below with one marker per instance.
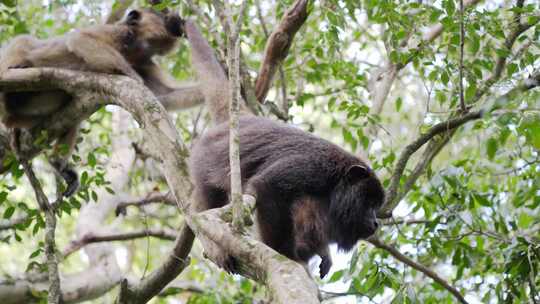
(9, 3)
(3, 197)
(491, 147)
(511, 69)
(336, 276)
(482, 200)
(9, 212)
(92, 160)
(445, 78)
(399, 102)
(35, 253)
(530, 127)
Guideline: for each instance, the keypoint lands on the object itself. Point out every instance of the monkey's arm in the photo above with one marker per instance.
(172, 94)
(210, 73)
(98, 56)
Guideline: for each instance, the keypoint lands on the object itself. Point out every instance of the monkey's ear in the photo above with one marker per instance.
(175, 25)
(133, 17)
(357, 172)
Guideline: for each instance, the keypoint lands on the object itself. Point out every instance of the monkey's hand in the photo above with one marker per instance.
(325, 265)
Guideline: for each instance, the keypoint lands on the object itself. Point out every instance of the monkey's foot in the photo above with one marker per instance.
(68, 174)
(72, 181)
(324, 267)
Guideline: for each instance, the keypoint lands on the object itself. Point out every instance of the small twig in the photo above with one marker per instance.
(461, 45)
(393, 221)
(328, 295)
(92, 238)
(233, 52)
(151, 198)
(10, 224)
(428, 272)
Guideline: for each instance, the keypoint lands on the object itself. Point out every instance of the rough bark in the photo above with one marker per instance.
(278, 46)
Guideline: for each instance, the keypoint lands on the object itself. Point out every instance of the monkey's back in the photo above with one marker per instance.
(263, 143)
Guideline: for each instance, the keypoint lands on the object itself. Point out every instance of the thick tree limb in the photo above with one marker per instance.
(288, 281)
(428, 272)
(278, 45)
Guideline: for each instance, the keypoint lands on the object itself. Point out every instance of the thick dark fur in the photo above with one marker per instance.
(123, 48)
(309, 192)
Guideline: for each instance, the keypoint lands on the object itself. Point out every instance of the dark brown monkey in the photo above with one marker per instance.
(124, 48)
(309, 192)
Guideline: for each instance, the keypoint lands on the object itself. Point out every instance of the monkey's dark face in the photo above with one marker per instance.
(156, 32)
(353, 206)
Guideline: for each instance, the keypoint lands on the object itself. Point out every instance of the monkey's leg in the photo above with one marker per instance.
(60, 161)
(310, 230)
(99, 56)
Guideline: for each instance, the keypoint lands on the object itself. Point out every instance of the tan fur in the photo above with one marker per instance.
(124, 48)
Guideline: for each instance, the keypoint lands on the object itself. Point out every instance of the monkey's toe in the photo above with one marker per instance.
(324, 267)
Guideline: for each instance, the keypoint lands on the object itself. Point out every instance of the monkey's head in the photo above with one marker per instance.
(155, 32)
(354, 203)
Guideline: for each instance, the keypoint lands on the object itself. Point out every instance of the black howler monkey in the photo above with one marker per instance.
(309, 192)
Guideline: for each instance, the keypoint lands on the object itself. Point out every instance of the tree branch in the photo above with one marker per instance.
(54, 292)
(10, 224)
(381, 80)
(428, 272)
(173, 265)
(278, 45)
(399, 168)
(92, 238)
(233, 52)
(154, 197)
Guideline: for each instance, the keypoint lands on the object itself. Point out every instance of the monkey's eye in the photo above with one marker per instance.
(133, 17)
